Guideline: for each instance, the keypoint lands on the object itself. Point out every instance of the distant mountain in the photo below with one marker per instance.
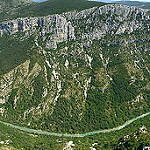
(11, 8)
(39, 1)
(144, 5)
(6, 5)
(25, 8)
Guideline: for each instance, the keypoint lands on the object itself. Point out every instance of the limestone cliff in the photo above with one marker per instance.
(89, 24)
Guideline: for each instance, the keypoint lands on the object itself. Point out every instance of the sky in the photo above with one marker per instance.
(38, 0)
(123, 0)
(104, 0)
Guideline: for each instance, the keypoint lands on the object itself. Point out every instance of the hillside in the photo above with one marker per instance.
(75, 69)
(25, 8)
(144, 5)
(9, 9)
(134, 136)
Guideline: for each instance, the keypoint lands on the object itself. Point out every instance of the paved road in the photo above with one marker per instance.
(75, 135)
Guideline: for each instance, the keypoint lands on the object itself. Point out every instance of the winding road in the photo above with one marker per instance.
(74, 135)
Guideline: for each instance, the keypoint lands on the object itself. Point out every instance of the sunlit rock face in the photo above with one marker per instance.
(108, 19)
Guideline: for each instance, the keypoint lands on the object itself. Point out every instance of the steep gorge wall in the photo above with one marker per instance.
(89, 24)
(69, 64)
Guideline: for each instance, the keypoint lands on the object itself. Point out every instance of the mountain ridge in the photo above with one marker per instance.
(75, 72)
(144, 5)
(45, 8)
(55, 36)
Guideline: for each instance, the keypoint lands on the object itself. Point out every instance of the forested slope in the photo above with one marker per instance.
(76, 69)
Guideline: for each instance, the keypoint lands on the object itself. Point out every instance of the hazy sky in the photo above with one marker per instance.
(38, 0)
(104, 0)
(123, 0)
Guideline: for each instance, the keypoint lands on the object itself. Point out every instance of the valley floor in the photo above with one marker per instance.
(75, 135)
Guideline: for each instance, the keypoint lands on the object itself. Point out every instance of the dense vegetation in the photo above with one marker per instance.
(112, 107)
(49, 7)
(81, 86)
(108, 141)
(13, 51)
(103, 109)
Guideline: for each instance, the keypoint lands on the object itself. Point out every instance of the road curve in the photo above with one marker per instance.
(74, 135)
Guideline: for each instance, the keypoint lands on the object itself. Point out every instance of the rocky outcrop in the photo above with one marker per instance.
(52, 29)
(90, 24)
(108, 19)
(12, 81)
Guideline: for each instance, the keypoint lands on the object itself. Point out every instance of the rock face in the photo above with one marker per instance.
(76, 69)
(89, 24)
(58, 28)
(108, 19)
